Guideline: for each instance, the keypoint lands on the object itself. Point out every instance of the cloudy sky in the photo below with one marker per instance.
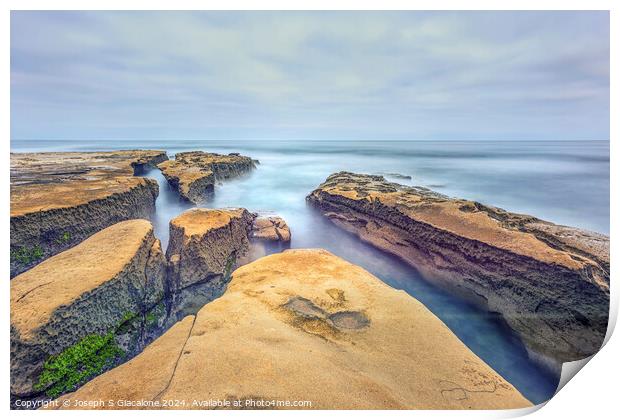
(311, 75)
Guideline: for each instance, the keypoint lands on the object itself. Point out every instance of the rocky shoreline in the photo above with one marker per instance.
(60, 199)
(96, 302)
(91, 284)
(307, 325)
(550, 283)
(118, 290)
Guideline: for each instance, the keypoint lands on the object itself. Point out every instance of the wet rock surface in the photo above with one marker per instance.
(312, 328)
(86, 309)
(58, 199)
(194, 174)
(549, 282)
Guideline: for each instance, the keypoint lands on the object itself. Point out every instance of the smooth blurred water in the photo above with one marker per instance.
(564, 182)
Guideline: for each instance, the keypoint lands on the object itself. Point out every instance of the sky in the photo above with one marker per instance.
(310, 75)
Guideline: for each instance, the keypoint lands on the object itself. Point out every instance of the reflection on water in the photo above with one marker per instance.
(565, 182)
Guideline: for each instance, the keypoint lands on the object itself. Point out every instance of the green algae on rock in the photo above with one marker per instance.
(105, 285)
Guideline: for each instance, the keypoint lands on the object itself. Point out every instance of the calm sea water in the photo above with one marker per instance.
(564, 182)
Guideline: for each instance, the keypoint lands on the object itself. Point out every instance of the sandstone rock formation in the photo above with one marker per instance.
(271, 228)
(86, 309)
(205, 246)
(550, 282)
(52, 167)
(193, 174)
(59, 199)
(305, 325)
(193, 184)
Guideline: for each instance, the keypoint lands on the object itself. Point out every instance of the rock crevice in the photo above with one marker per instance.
(101, 291)
(314, 328)
(60, 199)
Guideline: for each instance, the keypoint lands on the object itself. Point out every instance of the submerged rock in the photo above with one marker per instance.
(205, 246)
(550, 282)
(60, 199)
(305, 325)
(86, 309)
(194, 174)
(396, 175)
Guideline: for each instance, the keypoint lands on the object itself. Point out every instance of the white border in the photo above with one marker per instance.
(592, 395)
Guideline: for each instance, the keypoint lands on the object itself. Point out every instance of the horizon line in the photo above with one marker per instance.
(293, 140)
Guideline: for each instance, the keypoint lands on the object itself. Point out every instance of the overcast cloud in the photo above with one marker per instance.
(311, 75)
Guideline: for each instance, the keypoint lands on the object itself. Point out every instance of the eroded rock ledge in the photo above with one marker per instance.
(60, 199)
(550, 282)
(194, 174)
(205, 246)
(86, 309)
(305, 325)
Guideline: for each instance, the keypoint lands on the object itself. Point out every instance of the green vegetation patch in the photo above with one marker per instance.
(27, 255)
(64, 238)
(77, 364)
(153, 316)
(126, 324)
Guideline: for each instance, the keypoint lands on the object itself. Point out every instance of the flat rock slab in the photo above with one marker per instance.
(305, 325)
(550, 282)
(194, 174)
(59, 199)
(114, 277)
(51, 167)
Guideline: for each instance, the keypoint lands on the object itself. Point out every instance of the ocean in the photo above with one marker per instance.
(566, 182)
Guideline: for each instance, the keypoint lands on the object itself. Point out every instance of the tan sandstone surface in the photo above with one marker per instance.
(60, 198)
(550, 282)
(305, 325)
(117, 276)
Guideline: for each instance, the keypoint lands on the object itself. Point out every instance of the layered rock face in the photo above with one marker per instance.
(550, 282)
(205, 246)
(193, 184)
(51, 167)
(271, 228)
(86, 309)
(193, 174)
(312, 328)
(59, 199)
